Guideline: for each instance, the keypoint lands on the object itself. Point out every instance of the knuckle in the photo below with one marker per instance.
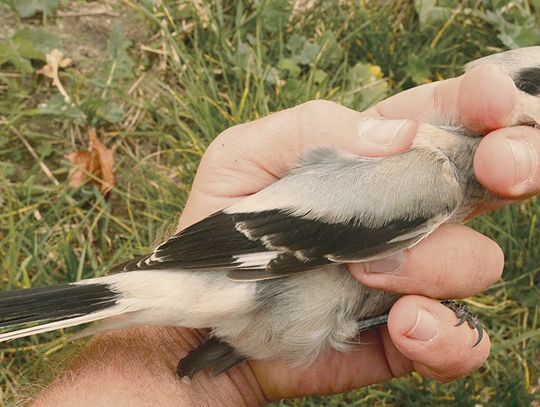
(313, 115)
(317, 106)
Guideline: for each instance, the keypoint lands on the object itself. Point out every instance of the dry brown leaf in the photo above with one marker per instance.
(55, 61)
(98, 161)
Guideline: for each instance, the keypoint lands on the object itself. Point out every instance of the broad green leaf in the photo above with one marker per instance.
(27, 8)
(272, 76)
(44, 149)
(417, 69)
(296, 43)
(275, 14)
(319, 76)
(365, 86)
(26, 45)
(119, 64)
(287, 64)
(34, 44)
(429, 13)
(302, 50)
(9, 53)
(331, 51)
(56, 106)
(308, 54)
(515, 31)
(110, 112)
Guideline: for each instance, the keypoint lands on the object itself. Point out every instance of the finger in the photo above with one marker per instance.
(332, 372)
(483, 99)
(425, 332)
(426, 99)
(453, 262)
(487, 98)
(278, 140)
(246, 158)
(507, 162)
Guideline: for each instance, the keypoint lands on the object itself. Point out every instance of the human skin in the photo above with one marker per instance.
(136, 367)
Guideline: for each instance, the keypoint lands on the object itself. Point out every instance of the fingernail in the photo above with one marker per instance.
(425, 328)
(525, 161)
(380, 132)
(389, 264)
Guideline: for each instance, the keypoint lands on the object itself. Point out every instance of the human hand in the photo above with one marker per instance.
(453, 262)
(421, 335)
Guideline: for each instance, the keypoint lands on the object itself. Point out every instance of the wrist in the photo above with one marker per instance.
(138, 367)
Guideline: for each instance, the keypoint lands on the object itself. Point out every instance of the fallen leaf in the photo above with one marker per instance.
(98, 160)
(56, 60)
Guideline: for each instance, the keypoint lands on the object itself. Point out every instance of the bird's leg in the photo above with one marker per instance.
(461, 311)
(373, 322)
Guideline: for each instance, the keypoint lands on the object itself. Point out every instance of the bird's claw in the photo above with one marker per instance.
(480, 333)
(464, 315)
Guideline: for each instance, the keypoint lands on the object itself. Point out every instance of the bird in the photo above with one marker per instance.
(268, 274)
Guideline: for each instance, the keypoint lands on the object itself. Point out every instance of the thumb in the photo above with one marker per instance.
(425, 331)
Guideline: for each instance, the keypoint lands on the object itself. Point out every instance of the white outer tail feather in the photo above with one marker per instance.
(117, 309)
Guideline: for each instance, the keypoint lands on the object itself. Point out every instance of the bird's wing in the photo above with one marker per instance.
(332, 208)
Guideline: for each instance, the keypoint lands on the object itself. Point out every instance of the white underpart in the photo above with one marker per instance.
(255, 260)
(167, 298)
(181, 298)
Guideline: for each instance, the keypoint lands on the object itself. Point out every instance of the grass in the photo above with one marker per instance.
(159, 82)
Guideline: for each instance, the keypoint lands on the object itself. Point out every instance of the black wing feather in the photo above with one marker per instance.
(311, 238)
(301, 244)
(209, 244)
(271, 243)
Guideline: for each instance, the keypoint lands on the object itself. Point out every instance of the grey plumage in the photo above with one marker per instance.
(268, 274)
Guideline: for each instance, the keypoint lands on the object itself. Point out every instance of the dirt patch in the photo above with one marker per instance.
(83, 27)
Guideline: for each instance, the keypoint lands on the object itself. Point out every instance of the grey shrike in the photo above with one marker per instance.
(268, 274)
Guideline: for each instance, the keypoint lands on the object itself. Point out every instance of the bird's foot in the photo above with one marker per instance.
(465, 315)
(461, 311)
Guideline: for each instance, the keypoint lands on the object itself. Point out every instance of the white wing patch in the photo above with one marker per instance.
(255, 260)
(149, 260)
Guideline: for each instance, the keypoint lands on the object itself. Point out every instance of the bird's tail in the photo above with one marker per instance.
(56, 307)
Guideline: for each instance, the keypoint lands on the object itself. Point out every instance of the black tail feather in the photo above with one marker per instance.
(54, 303)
